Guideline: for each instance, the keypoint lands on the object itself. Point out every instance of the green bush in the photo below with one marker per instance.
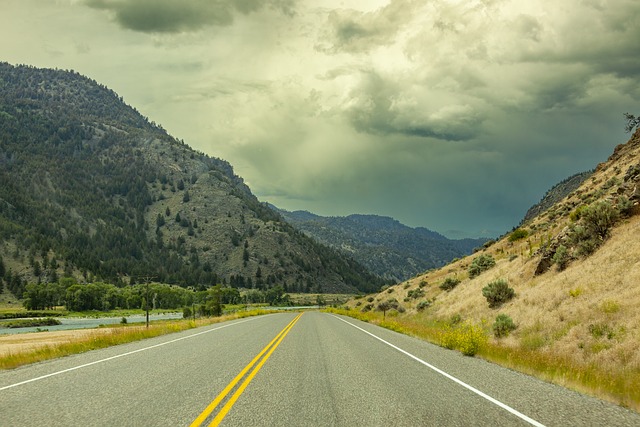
(498, 292)
(480, 264)
(449, 283)
(625, 206)
(561, 257)
(599, 217)
(503, 326)
(415, 293)
(423, 304)
(366, 308)
(518, 234)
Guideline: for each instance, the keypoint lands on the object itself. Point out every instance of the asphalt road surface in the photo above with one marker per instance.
(314, 369)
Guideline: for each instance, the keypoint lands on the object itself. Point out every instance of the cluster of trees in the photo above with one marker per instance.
(104, 296)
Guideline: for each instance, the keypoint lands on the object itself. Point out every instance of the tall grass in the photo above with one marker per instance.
(615, 383)
(113, 335)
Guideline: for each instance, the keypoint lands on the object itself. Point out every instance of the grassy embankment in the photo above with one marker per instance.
(617, 384)
(114, 335)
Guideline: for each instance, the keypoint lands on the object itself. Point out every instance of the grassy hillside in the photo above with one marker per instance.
(576, 322)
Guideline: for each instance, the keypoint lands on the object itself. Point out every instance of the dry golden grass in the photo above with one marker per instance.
(50, 345)
(579, 327)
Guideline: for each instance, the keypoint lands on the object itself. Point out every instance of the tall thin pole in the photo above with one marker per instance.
(146, 280)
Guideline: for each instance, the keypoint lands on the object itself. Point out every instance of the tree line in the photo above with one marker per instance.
(102, 296)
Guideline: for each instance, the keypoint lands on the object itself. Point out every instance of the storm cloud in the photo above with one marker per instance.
(456, 116)
(170, 16)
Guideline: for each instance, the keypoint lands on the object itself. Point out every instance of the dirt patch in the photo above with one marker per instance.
(19, 343)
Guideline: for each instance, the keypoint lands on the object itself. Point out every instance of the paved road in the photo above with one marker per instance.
(314, 370)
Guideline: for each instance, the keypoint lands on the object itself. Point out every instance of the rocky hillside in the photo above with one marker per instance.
(556, 194)
(91, 188)
(382, 244)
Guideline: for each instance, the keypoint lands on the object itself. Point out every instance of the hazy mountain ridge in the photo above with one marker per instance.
(90, 187)
(555, 194)
(383, 244)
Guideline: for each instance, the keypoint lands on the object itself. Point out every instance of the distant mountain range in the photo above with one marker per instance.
(382, 244)
(90, 188)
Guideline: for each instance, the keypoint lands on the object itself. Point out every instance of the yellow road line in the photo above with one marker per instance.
(212, 406)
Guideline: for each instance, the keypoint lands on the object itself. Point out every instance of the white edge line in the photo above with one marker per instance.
(451, 377)
(122, 355)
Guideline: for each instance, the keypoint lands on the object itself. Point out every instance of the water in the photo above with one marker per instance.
(90, 322)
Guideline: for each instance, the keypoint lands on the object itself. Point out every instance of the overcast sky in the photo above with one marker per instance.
(455, 115)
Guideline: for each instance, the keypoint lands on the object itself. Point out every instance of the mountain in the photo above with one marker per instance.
(91, 188)
(557, 297)
(555, 194)
(382, 244)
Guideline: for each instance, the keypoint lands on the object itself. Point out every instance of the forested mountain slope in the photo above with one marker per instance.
(91, 188)
(382, 244)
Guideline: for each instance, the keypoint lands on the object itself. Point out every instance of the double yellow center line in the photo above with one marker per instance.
(258, 361)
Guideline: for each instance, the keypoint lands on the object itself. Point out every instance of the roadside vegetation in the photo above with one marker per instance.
(113, 335)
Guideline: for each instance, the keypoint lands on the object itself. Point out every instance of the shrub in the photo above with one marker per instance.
(423, 304)
(186, 313)
(370, 299)
(415, 293)
(583, 240)
(625, 206)
(497, 293)
(577, 214)
(518, 234)
(449, 283)
(389, 304)
(599, 217)
(561, 257)
(423, 283)
(480, 264)
(503, 326)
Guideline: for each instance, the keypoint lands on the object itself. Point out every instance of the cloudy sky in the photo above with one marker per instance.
(455, 115)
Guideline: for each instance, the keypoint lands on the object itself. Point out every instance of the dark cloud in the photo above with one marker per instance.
(354, 31)
(169, 16)
(382, 106)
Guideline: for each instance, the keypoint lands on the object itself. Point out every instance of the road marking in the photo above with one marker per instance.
(269, 349)
(451, 377)
(123, 354)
